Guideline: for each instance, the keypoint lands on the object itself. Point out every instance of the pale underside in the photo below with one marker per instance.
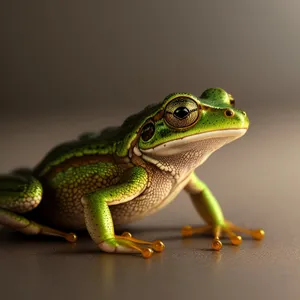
(184, 144)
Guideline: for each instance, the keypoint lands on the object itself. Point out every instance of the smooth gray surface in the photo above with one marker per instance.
(67, 67)
(256, 185)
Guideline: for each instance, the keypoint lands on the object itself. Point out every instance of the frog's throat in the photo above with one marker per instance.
(180, 157)
(175, 147)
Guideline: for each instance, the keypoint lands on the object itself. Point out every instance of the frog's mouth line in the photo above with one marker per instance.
(173, 147)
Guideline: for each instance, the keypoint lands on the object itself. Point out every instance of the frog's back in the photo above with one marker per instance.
(95, 146)
(112, 141)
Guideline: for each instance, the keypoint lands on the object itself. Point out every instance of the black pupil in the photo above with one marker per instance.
(148, 132)
(181, 112)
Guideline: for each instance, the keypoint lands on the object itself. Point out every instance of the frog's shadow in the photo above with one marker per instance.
(12, 236)
(174, 233)
(85, 244)
(175, 230)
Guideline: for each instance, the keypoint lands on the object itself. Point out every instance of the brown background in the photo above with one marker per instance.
(71, 66)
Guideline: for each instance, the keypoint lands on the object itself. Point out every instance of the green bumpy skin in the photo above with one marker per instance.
(18, 194)
(125, 173)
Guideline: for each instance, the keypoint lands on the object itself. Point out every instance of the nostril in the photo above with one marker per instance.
(244, 113)
(229, 113)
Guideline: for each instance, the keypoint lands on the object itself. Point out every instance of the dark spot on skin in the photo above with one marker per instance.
(164, 133)
(229, 112)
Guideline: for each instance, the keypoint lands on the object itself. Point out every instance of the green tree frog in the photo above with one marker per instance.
(125, 173)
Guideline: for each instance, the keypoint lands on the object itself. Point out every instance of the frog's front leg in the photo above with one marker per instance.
(210, 210)
(99, 221)
(20, 194)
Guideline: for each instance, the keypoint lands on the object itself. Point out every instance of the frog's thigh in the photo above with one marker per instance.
(20, 195)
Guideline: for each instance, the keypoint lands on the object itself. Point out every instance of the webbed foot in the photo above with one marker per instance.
(228, 229)
(125, 243)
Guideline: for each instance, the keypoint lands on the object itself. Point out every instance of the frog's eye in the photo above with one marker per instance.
(181, 112)
(148, 132)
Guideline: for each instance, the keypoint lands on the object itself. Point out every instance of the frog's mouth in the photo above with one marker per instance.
(206, 143)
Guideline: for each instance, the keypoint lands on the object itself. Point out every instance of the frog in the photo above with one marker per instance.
(122, 174)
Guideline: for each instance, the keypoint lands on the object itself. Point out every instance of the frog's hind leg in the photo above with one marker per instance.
(21, 194)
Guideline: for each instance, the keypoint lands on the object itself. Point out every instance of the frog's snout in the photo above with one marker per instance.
(244, 118)
(236, 115)
(229, 112)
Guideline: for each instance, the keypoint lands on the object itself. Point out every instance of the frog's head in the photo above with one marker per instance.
(188, 126)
